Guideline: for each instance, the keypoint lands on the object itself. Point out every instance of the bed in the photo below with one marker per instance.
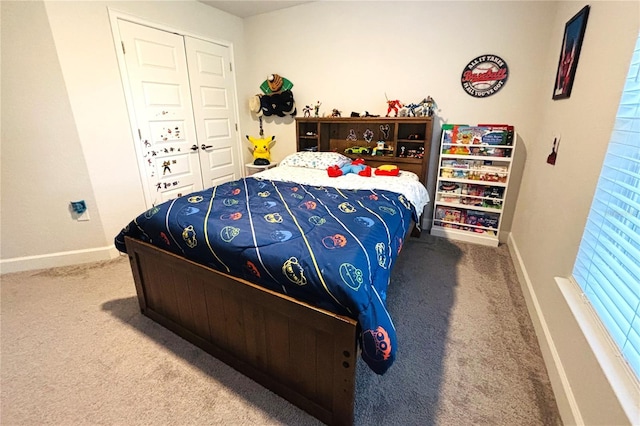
(282, 275)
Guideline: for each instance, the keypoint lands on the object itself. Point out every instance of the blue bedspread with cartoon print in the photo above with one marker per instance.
(332, 248)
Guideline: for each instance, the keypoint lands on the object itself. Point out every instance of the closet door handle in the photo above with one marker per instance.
(203, 146)
(194, 147)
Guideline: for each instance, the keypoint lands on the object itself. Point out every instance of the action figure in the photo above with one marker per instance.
(428, 106)
(393, 105)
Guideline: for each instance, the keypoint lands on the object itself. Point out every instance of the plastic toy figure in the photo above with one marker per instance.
(316, 109)
(335, 113)
(413, 109)
(307, 111)
(393, 105)
(428, 106)
(357, 150)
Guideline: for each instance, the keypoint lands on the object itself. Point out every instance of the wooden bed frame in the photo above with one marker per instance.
(305, 354)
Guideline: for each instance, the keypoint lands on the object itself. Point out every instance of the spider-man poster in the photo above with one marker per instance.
(569, 54)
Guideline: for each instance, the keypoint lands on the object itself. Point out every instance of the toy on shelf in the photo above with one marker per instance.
(428, 105)
(363, 114)
(335, 113)
(357, 166)
(382, 149)
(411, 110)
(316, 109)
(357, 150)
(393, 105)
(261, 149)
(306, 111)
(424, 108)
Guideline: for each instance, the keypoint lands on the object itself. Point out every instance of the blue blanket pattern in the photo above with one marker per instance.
(332, 248)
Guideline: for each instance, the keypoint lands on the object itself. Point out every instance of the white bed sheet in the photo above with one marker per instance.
(406, 183)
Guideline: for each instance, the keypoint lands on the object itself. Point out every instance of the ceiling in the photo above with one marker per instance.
(245, 9)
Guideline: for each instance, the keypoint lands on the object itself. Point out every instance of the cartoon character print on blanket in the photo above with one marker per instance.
(333, 248)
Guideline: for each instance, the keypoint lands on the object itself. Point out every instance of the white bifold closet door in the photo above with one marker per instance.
(181, 92)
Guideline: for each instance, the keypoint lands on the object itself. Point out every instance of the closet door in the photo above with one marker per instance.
(212, 91)
(158, 80)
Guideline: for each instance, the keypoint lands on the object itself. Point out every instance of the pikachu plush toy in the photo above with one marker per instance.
(261, 149)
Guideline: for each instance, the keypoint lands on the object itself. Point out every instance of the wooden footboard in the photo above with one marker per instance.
(304, 354)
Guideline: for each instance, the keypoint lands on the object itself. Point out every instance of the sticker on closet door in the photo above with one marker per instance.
(167, 131)
(176, 165)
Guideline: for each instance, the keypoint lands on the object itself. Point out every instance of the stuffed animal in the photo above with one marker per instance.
(261, 150)
(357, 166)
(387, 170)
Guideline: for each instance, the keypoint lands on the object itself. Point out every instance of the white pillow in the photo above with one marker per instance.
(315, 160)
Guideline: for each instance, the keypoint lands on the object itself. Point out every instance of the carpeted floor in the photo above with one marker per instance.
(76, 351)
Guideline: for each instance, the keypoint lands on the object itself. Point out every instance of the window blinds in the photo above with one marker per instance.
(608, 264)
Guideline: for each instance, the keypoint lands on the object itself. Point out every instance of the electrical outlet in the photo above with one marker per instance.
(79, 210)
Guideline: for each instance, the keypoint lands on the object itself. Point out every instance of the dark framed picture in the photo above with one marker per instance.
(571, 45)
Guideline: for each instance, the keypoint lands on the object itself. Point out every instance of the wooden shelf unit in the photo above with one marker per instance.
(407, 139)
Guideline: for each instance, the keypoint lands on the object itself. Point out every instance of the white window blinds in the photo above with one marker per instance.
(608, 264)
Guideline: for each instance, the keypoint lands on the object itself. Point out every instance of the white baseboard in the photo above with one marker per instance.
(52, 260)
(567, 405)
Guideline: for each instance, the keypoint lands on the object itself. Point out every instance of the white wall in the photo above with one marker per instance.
(43, 166)
(554, 201)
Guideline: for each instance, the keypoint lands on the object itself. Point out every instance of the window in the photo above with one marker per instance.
(607, 267)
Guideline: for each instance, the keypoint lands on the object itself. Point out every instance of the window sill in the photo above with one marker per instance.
(623, 382)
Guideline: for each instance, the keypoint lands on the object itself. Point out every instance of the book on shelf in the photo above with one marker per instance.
(481, 134)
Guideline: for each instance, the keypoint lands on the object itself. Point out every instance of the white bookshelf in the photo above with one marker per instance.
(474, 170)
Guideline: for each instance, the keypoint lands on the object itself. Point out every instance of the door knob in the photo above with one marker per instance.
(203, 146)
(194, 147)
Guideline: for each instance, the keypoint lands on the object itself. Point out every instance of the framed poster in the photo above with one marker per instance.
(569, 54)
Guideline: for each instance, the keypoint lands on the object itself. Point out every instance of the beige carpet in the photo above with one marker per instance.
(75, 350)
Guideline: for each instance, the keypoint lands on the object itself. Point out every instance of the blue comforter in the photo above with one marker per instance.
(332, 248)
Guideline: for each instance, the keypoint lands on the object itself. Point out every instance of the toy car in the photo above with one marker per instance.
(357, 150)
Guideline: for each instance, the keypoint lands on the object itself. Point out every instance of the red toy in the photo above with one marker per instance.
(387, 170)
(357, 166)
(393, 106)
